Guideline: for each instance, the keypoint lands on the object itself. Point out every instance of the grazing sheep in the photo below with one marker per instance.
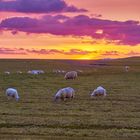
(41, 71)
(99, 91)
(57, 71)
(29, 72)
(127, 68)
(64, 93)
(35, 72)
(19, 72)
(7, 72)
(12, 93)
(71, 75)
(63, 71)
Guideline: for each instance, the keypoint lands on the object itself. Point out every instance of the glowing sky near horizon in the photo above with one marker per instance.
(70, 29)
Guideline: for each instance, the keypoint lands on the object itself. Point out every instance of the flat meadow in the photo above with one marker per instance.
(36, 116)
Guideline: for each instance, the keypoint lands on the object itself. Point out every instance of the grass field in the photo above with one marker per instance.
(36, 116)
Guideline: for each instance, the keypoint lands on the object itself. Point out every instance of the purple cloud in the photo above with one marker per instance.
(44, 51)
(118, 32)
(79, 52)
(12, 51)
(37, 6)
(23, 51)
(55, 51)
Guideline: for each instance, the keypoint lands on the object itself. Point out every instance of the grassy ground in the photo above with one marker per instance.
(36, 116)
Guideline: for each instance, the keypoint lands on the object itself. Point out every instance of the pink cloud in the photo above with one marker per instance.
(12, 51)
(125, 32)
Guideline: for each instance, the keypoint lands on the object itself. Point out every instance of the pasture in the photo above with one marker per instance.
(36, 116)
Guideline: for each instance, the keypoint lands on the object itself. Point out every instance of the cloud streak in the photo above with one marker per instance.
(111, 53)
(118, 32)
(23, 51)
(71, 52)
(37, 6)
(14, 51)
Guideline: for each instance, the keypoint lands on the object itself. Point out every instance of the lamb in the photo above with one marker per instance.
(71, 75)
(12, 93)
(99, 91)
(64, 93)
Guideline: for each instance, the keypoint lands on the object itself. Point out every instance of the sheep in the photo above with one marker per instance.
(7, 72)
(71, 75)
(127, 68)
(64, 93)
(29, 72)
(99, 91)
(32, 72)
(12, 93)
(56, 71)
(41, 71)
(19, 72)
(59, 71)
(35, 72)
(63, 71)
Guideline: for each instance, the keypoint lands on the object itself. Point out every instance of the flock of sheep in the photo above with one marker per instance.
(36, 72)
(62, 94)
(57, 71)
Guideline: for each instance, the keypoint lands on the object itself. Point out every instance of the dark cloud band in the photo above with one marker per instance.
(37, 6)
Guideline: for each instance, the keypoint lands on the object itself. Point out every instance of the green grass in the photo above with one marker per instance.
(36, 116)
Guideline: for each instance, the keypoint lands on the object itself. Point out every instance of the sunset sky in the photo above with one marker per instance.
(69, 29)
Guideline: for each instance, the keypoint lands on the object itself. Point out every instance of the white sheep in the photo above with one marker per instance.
(71, 75)
(29, 72)
(57, 71)
(41, 71)
(63, 71)
(12, 93)
(19, 72)
(127, 68)
(7, 72)
(35, 72)
(99, 91)
(64, 93)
